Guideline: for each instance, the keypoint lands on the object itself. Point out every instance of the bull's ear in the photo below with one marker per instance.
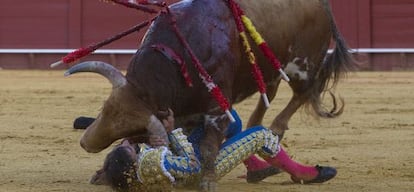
(99, 178)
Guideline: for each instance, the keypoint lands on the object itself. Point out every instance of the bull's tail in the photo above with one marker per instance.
(334, 66)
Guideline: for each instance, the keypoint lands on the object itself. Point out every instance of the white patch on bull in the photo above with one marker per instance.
(293, 69)
(211, 121)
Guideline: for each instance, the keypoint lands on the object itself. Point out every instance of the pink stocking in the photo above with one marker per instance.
(253, 163)
(295, 169)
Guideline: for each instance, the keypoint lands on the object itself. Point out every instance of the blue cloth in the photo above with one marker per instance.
(198, 133)
(241, 135)
(234, 127)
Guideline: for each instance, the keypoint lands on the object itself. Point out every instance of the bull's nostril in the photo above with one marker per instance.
(85, 147)
(82, 145)
(89, 149)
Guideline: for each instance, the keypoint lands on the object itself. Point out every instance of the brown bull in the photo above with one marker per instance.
(298, 31)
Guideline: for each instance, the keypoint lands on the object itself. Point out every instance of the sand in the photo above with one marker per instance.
(371, 144)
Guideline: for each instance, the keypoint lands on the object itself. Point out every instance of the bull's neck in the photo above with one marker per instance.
(142, 96)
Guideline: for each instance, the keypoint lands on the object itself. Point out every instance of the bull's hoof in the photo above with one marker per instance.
(258, 175)
(208, 186)
(82, 122)
(324, 174)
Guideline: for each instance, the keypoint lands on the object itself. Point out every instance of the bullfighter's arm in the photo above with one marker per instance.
(157, 165)
(186, 161)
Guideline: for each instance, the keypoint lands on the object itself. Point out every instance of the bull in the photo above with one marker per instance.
(298, 31)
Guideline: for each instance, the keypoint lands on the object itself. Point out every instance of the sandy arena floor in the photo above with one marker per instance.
(371, 144)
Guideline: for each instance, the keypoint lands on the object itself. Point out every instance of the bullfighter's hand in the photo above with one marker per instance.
(169, 121)
(162, 114)
(156, 141)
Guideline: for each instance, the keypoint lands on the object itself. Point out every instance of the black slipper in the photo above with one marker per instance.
(259, 175)
(82, 122)
(324, 174)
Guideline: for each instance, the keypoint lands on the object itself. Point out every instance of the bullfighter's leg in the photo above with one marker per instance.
(300, 173)
(257, 169)
(82, 122)
(263, 142)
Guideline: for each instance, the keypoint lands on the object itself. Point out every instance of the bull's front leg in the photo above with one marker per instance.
(256, 117)
(214, 128)
(280, 123)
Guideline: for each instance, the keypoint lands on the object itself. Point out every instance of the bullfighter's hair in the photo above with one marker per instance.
(120, 169)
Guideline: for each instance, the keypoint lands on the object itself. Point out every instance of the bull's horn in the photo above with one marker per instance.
(105, 69)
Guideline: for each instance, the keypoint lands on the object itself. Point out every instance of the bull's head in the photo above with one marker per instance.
(123, 114)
